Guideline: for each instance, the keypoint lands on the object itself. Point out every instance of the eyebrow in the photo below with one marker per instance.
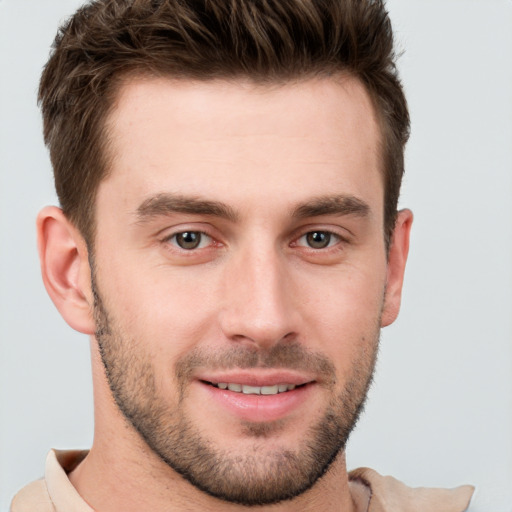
(167, 204)
(332, 205)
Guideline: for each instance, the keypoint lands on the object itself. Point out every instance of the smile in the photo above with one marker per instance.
(254, 390)
(258, 398)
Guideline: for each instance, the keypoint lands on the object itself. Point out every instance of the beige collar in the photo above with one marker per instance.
(391, 495)
(361, 495)
(62, 493)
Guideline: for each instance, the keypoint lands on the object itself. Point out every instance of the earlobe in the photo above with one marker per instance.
(65, 268)
(397, 259)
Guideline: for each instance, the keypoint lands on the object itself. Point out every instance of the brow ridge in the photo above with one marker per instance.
(332, 205)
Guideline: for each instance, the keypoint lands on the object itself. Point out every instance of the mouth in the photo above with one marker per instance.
(258, 398)
(248, 389)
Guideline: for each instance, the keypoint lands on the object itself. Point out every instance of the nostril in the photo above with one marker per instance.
(263, 339)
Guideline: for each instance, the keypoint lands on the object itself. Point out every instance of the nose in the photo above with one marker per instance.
(258, 300)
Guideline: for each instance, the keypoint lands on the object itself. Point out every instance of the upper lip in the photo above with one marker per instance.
(256, 378)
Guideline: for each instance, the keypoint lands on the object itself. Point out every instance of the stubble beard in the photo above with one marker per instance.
(258, 476)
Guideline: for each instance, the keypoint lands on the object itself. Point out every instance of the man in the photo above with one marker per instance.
(229, 238)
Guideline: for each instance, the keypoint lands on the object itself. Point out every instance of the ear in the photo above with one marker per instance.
(397, 258)
(65, 268)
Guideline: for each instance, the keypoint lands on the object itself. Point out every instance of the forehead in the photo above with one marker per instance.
(244, 139)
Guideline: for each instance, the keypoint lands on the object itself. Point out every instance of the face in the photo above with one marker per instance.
(240, 276)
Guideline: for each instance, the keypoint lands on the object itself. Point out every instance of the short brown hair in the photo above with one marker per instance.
(263, 40)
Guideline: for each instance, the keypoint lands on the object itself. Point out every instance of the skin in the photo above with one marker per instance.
(267, 154)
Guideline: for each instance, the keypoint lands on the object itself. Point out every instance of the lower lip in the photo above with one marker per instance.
(260, 408)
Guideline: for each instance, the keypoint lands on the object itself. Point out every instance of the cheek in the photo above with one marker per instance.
(343, 315)
(168, 308)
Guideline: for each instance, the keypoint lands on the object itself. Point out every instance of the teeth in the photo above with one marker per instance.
(256, 390)
(251, 390)
(269, 390)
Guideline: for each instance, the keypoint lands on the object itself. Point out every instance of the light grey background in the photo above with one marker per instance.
(440, 412)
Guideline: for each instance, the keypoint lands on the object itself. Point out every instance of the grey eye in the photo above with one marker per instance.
(189, 239)
(318, 239)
